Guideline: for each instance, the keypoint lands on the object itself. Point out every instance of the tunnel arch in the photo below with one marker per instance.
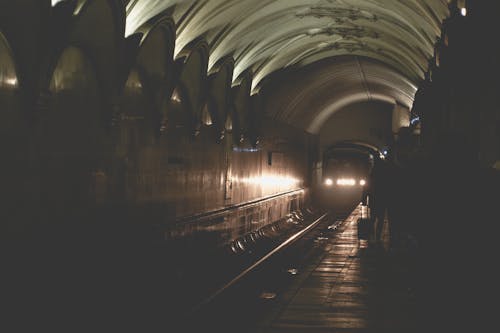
(219, 93)
(137, 106)
(25, 25)
(20, 48)
(360, 145)
(367, 121)
(156, 50)
(73, 74)
(156, 64)
(14, 129)
(175, 112)
(71, 133)
(342, 102)
(117, 8)
(97, 27)
(308, 96)
(10, 102)
(242, 107)
(193, 62)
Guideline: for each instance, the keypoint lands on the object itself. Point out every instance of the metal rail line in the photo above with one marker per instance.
(283, 245)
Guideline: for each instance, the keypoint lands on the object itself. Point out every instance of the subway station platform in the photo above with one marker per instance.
(352, 287)
(346, 285)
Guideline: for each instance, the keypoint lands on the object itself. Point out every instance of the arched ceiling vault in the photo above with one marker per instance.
(268, 35)
(388, 44)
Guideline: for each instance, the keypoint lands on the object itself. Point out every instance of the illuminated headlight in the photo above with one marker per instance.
(346, 182)
(328, 182)
(362, 182)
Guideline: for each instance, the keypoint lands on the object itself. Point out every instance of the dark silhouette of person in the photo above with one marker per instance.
(379, 189)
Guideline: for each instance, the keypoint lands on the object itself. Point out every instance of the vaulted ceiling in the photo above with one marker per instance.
(371, 49)
(268, 35)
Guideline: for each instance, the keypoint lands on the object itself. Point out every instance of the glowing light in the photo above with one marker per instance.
(229, 123)
(362, 182)
(346, 182)
(245, 150)
(461, 4)
(10, 81)
(176, 97)
(268, 295)
(277, 180)
(328, 182)
(271, 181)
(206, 117)
(208, 120)
(134, 81)
(55, 2)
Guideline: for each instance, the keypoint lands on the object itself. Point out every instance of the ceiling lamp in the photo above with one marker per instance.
(462, 7)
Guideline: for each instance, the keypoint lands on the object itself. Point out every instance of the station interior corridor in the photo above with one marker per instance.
(180, 165)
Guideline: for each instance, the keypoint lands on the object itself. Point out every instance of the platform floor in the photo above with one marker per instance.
(354, 286)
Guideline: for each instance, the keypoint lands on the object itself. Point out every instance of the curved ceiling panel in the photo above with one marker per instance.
(268, 35)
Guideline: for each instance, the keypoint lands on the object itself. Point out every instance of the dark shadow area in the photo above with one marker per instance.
(116, 274)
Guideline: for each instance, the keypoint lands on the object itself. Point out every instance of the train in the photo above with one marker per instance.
(345, 177)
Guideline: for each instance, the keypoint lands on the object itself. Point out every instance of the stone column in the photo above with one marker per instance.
(400, 118)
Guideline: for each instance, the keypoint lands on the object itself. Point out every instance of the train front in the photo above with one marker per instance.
(345, 180)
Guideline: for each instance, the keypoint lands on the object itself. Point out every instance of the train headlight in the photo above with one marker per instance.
(328, 182)
(346, 182)
(362, 182)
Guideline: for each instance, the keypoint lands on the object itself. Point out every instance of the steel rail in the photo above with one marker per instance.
(280, 247)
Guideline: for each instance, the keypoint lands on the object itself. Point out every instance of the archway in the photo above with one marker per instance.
(70, 136)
